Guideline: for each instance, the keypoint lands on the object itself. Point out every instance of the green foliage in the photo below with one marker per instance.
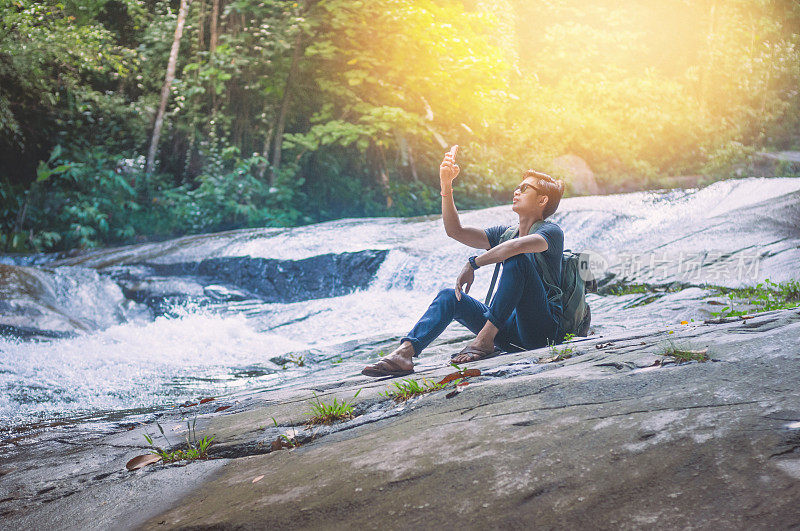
(95, 201)
(627, 288)
(298, 360)
(80, 204)
(57, 61)
(413, 199)
(730, 157)
(409, 388)
(559, 354)
(234, 199)
(361, 100)
(764, 296)
(684, 354)
(195, 448)
(322, 413)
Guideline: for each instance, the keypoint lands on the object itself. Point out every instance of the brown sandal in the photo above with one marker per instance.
(476, 354)
(385, 367)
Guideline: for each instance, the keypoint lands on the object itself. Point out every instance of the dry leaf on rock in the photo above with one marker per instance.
(467, 373)
(206, 400)
(221, 408)
(141, 461)
(258, 478)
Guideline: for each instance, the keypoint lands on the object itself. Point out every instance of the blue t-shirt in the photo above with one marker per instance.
(552, 256)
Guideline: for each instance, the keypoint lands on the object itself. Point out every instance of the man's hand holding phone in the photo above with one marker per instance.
(448, 171)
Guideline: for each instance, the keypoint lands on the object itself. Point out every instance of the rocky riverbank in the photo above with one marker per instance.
(611, 431)
(618, 434)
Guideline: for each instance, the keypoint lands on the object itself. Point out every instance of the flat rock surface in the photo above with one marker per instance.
(616, 436)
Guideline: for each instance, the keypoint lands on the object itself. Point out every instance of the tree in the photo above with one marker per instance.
(168, 79)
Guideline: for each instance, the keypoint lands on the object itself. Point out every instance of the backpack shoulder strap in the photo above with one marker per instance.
(509, 234)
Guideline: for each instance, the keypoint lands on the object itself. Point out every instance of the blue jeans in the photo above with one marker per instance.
(519, 310)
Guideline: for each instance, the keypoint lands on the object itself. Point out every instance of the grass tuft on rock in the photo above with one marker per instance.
(322, 413)
(560, 354)
(764, 296)
(195, 448)
(409, 388)
(682, 353)
(619, 288)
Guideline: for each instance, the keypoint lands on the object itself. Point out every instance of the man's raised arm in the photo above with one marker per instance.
(471, 236)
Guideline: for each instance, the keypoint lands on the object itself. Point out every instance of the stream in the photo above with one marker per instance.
(114, 333)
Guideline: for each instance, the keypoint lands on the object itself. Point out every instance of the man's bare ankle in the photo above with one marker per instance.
(484, 338)
(406, 350)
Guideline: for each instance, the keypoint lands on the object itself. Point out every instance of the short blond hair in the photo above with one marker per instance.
(552, 188)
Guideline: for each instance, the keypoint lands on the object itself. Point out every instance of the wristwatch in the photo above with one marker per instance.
(472, 262)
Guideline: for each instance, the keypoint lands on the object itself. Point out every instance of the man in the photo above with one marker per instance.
(520, 317)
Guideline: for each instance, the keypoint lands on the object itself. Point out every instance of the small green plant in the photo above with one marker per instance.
(322, 413)
(559, 354)
(290, 441)
(408, 387)
(682, 353)
(764, 296)
(686, 355)
(298, 360)
(195, 448)
(624, 289)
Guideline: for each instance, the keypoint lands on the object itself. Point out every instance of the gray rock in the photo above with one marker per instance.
(59, 302)
(327, 275)
(606, 438)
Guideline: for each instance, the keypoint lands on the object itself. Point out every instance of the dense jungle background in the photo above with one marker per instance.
(128, 120)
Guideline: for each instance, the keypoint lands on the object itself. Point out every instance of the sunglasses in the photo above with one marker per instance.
(524, 188)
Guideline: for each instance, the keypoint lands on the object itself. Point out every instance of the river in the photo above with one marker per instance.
(110, 357)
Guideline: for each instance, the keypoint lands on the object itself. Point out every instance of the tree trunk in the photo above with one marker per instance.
(213, 26)
(201, 26)
(262, 168)
(411, 163)
(276, 152)
(22, 213)
(383, 176)
(170, 77)
(212, 47)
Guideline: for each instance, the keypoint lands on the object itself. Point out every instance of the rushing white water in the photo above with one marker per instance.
(142, 363)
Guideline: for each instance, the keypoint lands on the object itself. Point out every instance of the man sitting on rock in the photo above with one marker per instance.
(520, 317)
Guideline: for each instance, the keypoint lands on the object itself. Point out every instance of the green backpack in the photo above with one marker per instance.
(576, 315)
